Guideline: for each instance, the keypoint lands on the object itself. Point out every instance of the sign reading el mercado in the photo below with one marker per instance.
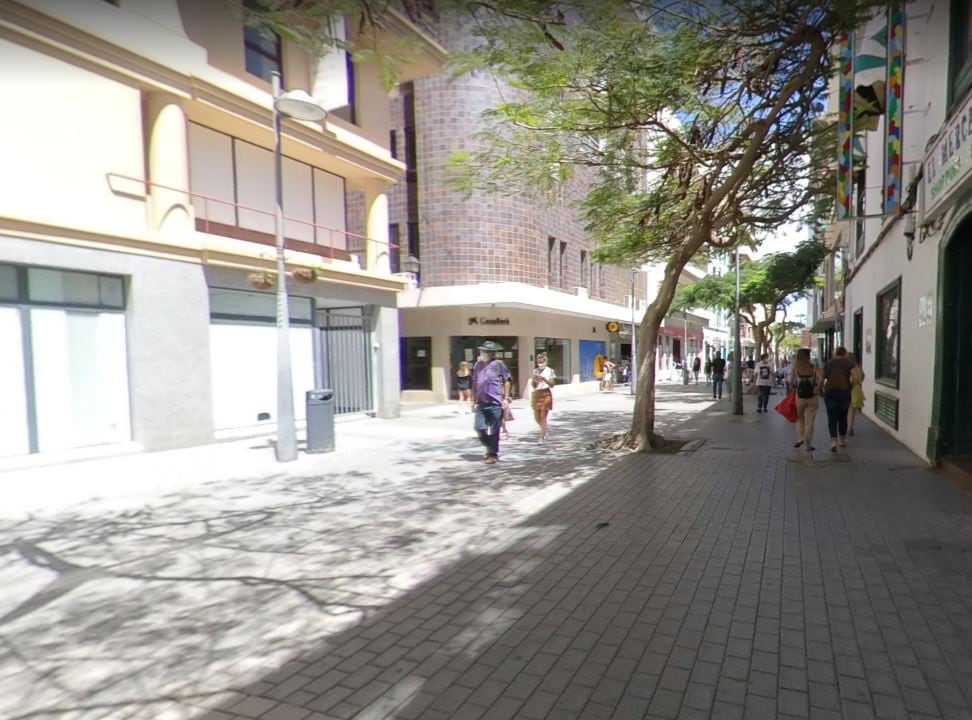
(949, 162)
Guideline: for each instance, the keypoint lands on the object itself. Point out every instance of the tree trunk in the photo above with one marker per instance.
(642, 435)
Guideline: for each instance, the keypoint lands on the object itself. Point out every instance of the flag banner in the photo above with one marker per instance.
(892, 124)
(845, 126)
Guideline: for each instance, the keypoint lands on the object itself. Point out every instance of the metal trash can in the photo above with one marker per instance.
(320, 421)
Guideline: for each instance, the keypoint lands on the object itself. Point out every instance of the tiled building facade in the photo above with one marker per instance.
(492, 250)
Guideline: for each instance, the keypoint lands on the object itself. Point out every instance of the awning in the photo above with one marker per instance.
(823, 325)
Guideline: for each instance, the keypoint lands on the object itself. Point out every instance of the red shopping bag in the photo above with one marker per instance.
(787, 407)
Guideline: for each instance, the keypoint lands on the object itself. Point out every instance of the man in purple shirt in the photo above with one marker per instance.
(491, 395)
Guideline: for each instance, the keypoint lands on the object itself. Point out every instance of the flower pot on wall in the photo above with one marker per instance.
(262, 280)
(304, 275)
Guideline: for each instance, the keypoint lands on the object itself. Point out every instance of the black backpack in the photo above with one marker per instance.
(806, 385)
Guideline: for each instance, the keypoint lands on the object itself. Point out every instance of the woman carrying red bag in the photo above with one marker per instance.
(805, 381)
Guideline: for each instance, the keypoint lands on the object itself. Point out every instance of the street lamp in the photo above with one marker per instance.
(299, 105)
(633, 370)
(411, 266)
(736, 379)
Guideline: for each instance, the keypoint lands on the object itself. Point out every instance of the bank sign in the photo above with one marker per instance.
(949, 161)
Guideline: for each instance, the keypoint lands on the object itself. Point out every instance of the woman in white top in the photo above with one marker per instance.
(542, 398)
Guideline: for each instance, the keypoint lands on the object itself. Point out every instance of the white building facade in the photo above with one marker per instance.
(905, 301)
(137, 235)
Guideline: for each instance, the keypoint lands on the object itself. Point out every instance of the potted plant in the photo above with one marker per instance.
(262, 280)
(304, 275)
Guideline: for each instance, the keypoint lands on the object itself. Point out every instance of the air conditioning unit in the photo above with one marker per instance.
(582, 292)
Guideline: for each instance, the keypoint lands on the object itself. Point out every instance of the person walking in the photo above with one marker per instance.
(708, 371)
(805, 380)
(718, 376)
(607, 379)
(491, 392)
(857, 393)
(837, 395)
(464, 387)
(541, 400)
(764, 383)
(696, 366)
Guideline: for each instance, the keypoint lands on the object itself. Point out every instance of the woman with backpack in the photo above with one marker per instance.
(805, 380)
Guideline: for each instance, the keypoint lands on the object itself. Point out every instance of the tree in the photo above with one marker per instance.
(698, 119)
(783, 335)
(692, 120)
(766, 286)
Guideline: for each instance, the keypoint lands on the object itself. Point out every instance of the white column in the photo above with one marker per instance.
(168, 164)
(387, 380)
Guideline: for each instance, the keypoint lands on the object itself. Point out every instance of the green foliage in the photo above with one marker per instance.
(769, 281)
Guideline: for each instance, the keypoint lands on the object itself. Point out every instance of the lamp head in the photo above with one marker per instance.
(299, 105)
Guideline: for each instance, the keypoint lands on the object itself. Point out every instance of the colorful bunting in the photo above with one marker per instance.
(845, 126)
(893, 109)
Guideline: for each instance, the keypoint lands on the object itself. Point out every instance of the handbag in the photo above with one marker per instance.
(507, 414)
(787, 407)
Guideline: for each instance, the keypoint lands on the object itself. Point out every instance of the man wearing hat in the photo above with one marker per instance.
(491, 395)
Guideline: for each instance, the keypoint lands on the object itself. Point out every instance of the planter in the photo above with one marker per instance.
(262, 280)
(304, 275)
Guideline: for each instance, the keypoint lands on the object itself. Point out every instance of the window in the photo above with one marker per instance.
(584, 271)
(261, 49)
(860, 182)
(394, 248)
(558, 356)
(560, 265)
(961, 57)
(416, 359)
(393, 143)
(887, 351)
(60, 287)
(551, 268)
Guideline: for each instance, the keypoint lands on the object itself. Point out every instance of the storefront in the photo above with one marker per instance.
(436, 339)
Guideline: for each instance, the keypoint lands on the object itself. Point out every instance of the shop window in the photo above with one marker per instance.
(416, 359)
(558, 356)
(9, 286)
(246, 305)
(75, 288)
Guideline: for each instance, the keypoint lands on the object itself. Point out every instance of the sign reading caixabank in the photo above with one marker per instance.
(476, 320)
(948, 164)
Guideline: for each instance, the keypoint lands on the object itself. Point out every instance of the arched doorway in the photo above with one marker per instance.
(955, 380)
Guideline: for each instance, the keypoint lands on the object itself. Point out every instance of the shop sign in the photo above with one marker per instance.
(949, 161)
(489, 321)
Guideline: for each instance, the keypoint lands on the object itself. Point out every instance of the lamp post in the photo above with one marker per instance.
(685, 351)
(736, 379)
(633, 370)
(299, 105)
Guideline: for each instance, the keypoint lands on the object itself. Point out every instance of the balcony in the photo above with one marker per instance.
(225, 218)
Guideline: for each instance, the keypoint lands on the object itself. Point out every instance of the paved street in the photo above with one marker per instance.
(401, 578)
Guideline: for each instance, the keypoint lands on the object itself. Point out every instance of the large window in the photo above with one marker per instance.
(64, 364)
(416, 359)
(558, 356)
(227, 173)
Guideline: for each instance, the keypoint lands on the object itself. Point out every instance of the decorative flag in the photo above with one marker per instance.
(845, 126)
(892, 125)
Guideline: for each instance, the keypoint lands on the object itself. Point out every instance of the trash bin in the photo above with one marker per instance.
(320, 421)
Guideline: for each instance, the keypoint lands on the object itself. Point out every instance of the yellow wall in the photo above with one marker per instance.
(62, 129)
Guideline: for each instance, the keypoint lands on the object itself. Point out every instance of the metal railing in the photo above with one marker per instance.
(353, 243)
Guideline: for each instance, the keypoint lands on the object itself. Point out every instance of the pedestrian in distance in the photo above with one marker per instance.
(464, 387)
(857, 393)
(805, 380)
(607, 379)
(708, 371)
(764, 383)
(491, 393)
(718, 376)
(541, 400)
(696, 366)
(837, 396)
(751, 375)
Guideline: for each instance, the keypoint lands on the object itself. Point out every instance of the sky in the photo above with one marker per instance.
(785, 240)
